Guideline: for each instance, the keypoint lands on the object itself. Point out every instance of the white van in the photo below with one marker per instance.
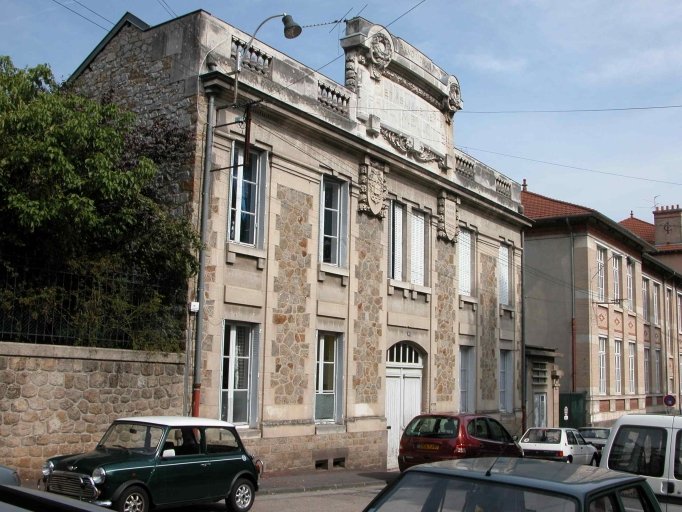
(649, 445)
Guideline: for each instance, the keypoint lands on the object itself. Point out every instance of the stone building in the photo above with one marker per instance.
(596, 291)
(359, 270)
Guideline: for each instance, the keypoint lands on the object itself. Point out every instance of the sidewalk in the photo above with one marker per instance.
(323, 479)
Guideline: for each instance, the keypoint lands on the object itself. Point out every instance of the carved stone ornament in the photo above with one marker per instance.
(453, 102)
(372, 190)
(448, 218)
(415, 150)
(380, 53)
(351, 71)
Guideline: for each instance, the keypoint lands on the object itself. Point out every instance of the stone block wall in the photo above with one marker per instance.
(57, 400)
(352, 450)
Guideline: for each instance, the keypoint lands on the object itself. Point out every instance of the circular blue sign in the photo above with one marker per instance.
(669, 400)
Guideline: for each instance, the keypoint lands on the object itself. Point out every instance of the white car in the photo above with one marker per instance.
(562, 444)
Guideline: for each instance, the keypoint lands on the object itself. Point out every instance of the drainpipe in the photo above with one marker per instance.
(524, 377)
(205, 203)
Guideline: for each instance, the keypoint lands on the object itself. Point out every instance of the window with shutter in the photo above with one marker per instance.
(464, 248)
(503, 274)
(397, 240)
(418, 246)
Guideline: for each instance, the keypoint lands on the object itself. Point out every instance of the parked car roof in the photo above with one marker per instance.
(177, 421)
(540, 474)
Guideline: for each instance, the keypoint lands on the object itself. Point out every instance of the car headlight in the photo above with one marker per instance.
(48, 468)
(99, 475)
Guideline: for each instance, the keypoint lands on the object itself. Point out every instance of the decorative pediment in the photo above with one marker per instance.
(409, 146)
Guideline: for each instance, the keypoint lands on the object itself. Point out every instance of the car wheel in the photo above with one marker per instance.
(133, 499)
(241, 496)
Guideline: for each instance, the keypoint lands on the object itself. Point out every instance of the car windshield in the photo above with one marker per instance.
(132, 436)
(423, 491)
(542, 435)
(433, 426)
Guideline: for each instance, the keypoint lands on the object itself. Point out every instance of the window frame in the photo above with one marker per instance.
(235, 214)
(467, 378)
(616, 270)
(629, 284)
(504, 276)
(645, 299)
(602, 365)
(398, 234)
(466, 242)
(632, 382)
(647, 370)
(336, 339)
(338, 232)
(252, 332)
(657, 370)
(601, 274)
(506, 380)
(655, 303)
(618, 365)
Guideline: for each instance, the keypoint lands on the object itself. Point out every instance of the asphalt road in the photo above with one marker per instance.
(338, 500)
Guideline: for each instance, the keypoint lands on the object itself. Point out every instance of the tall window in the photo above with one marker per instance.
(334, 227)
(629, 285)
(467, 386)
(657, 371)
(400, 218)
(654, 303)
(504, 274)
(645, 299)
(239, 374)
(601, 274)
(397, 240)
(329, 378)
(617, 365)
(465, 261)
(506, 381)
(616, 278)
(647, 370)
(246, 198)
(602, 365)
(631, 368)
(418, 248)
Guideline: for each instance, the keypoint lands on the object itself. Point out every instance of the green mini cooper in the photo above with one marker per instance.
(143, 462)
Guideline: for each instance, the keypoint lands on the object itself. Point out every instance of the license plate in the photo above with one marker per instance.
(427, 446)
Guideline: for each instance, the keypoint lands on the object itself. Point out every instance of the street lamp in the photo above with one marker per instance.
(291, 30)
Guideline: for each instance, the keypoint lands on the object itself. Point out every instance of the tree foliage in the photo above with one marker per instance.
(77, 195)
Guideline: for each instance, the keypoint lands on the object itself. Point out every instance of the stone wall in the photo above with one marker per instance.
(57, 400)
(352, 450)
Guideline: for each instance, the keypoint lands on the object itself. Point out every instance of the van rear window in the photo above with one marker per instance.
(639, 450)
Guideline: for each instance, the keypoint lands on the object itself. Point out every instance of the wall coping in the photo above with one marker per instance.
(34, 350)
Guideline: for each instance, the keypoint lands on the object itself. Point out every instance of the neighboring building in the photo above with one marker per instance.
(665, 234)
(596, 291)
(359, 270)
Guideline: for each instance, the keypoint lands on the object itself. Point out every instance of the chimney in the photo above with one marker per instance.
(668, 222)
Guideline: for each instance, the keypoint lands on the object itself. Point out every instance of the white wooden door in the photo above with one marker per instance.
(403, 402)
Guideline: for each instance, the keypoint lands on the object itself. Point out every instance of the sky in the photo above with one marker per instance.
(582, 99)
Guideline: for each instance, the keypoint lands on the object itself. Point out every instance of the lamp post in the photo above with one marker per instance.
(291, 30)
